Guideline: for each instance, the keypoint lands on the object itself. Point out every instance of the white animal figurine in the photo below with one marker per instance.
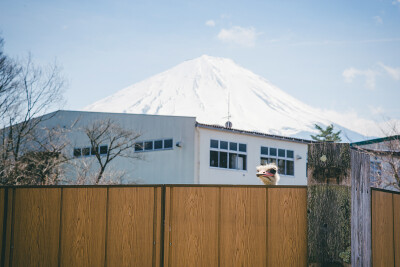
(268, 174)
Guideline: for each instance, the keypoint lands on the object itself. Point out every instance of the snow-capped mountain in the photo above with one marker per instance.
(206, 87)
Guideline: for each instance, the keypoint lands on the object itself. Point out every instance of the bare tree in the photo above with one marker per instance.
(108, 141)
(27, 92)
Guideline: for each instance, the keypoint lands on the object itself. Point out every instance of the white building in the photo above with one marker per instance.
(179, 150)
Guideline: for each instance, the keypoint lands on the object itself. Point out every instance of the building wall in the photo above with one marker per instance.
(211, 175)
(175, 166)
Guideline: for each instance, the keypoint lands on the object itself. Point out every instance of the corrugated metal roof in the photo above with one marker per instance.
(232, 130)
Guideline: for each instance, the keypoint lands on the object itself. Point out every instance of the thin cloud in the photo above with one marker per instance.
(370, 76)
(239, 35)
(210, 23)
(378, 20)
(393, 72)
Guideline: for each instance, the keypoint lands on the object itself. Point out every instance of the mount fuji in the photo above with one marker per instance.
(210, 88)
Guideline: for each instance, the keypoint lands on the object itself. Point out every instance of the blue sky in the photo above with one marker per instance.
(338, 55)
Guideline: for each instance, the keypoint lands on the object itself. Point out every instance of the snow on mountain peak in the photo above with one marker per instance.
(201, 87)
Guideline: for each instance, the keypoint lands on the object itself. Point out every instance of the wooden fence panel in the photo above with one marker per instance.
(287, 227)
(2, 203)
(83, 227)
(193, 226)
(36, 227)
(382, 229)
(396, 217)
(243, 231)
(131, 237)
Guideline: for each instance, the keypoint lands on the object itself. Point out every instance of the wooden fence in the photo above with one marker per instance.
(123, 226)
(385, 228)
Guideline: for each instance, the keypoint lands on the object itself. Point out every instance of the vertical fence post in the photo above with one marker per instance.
(338, 206)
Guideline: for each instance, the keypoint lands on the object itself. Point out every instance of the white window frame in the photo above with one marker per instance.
(277, 158)
(229, 152)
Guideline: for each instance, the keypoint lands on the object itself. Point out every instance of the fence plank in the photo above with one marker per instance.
(382, 229)
(130, 226)
(287, 227)
(83, 227)
(36, 227)
(396, 216)
(243, 227)
(194, 226)
(158, 225)
(2, 203)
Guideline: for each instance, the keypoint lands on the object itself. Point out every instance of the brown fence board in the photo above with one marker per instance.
(2, 203)
(157, 230)
(287, 227)
(243, 227)
(130, 226)
(194, 226)
(382, 229)
(396, 217)
(36, 227)
(9, 227)
(83, 227)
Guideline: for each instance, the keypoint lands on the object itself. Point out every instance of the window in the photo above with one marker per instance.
(284, 159)
(228, 155)
(152, 145)
(90, 151)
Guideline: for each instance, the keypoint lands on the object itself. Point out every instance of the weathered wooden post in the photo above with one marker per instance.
(338, 206)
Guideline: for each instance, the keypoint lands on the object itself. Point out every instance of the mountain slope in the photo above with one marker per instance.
(201, 87)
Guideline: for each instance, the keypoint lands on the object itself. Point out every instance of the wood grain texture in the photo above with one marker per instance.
(167, 227)
(83, 227)
(382, 229)
(130, 226)
(396, 217)
(36, 227)
(158, 224)
(194, 226)
(9, 227)
(287, 227)
(360, 210)
(243, 227)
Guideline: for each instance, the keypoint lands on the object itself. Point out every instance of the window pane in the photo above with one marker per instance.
(242, 148)
(264, 161)
(289, 153)
(281, 166)
(158, 144)
(148, 145)
(272, 160)
(168, 143)
(223, 160)
(233, 146)
(242, 162)
(264, 150)
(93, 150)
(214, 158)
(86, 151)
(104, 150)
(223, 144)
(232, 161)
(139, 147)
(77, 152)
(281, 153)
(214, 143)
(272, 151)
(289, 167)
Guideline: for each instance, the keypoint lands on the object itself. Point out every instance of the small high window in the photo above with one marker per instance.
(281, 157)
(234, 158)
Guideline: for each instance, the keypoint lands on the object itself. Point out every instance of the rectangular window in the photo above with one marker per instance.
(264, 150)
(221, 158)
(77, 152)
(86, 151)
(138, 147)
(281, 157)
(93, 150)
(214, 158)
(223, 144)
(214, 143)
(158, 144)
(104, 150)
(148, 145)
(168, 143)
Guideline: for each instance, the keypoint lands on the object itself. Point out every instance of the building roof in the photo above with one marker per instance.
(376, 140)
(254, 133)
